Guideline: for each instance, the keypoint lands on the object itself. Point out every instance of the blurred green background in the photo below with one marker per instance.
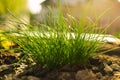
(8, 8)
(16, 6)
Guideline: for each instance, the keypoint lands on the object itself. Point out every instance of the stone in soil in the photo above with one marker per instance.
(115, 67)
(85, 75)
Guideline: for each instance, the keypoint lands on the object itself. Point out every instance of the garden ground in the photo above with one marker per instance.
(101, 67)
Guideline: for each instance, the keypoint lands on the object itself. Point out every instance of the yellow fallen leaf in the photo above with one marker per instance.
(4, 42)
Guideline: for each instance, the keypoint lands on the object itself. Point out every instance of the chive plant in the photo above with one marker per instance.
(56, 42)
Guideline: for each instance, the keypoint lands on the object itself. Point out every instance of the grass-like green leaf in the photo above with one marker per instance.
(57, 43)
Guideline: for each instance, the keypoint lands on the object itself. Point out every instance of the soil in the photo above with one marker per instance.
(101, 67)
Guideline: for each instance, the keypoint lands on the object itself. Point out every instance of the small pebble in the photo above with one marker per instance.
(115, 67)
